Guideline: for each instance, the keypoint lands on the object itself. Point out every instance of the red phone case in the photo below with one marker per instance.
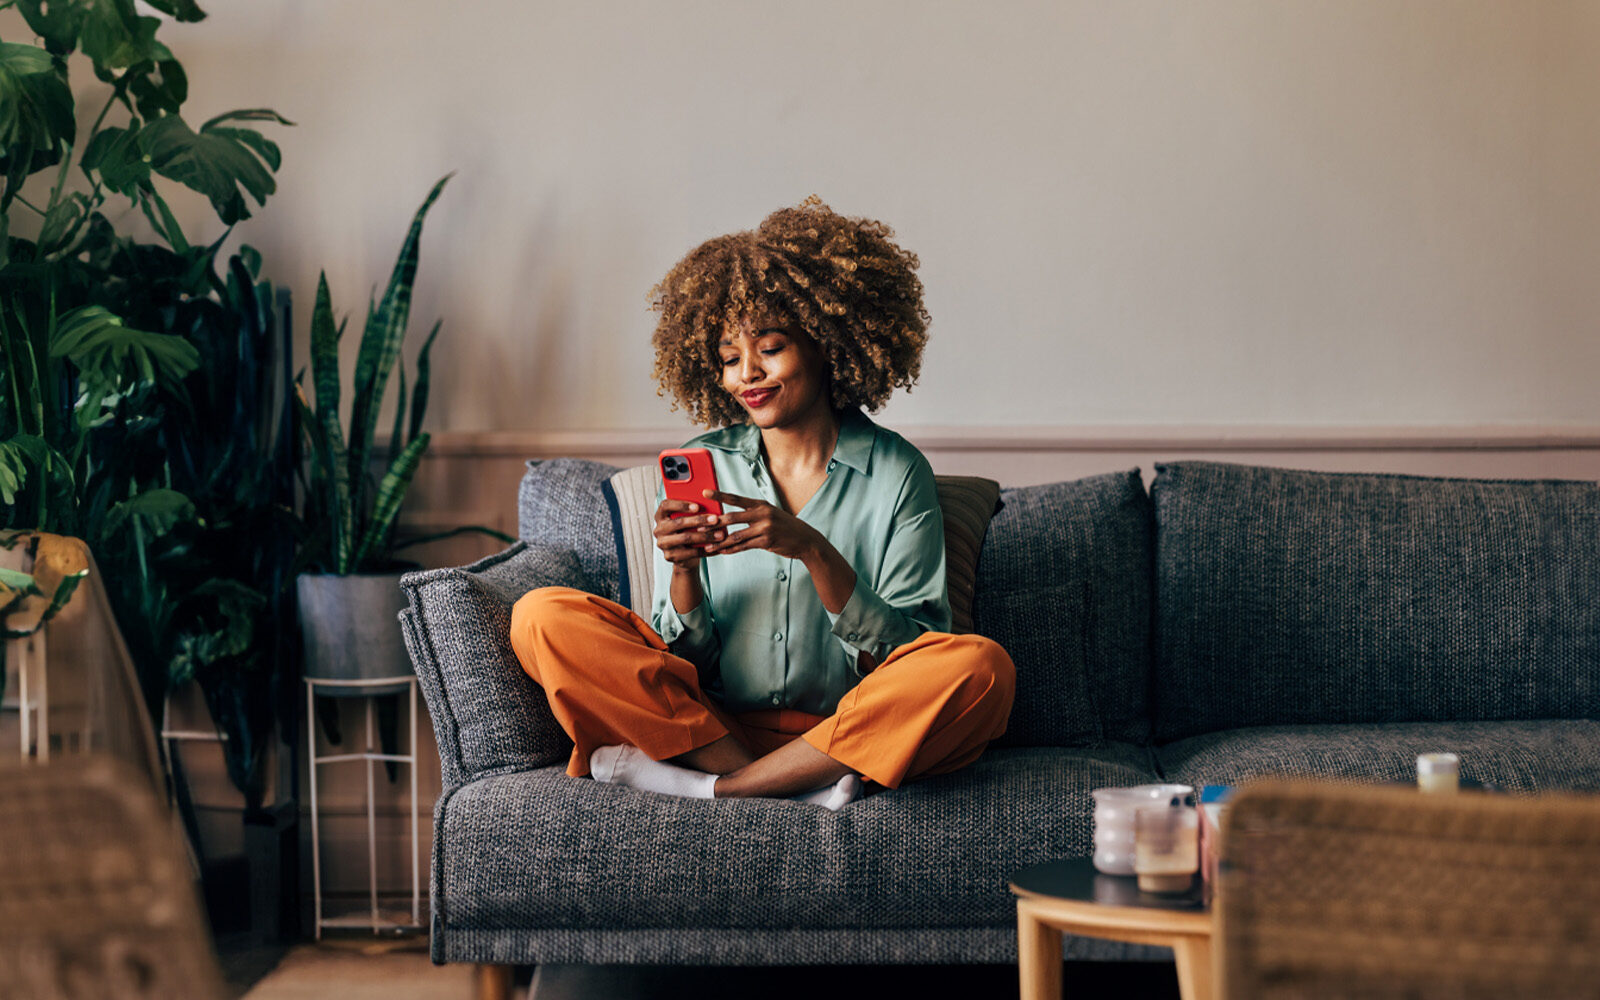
(702, 476)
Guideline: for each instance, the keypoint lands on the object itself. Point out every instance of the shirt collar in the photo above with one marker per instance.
(857, 434)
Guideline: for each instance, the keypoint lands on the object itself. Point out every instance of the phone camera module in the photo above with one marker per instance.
(675, 467)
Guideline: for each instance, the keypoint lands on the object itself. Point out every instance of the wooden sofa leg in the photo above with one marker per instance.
(492, 982)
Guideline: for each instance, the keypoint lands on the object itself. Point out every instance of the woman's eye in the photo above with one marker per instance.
(729, 362)
(772, 350)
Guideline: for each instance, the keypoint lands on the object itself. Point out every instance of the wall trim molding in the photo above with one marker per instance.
(1035, 439)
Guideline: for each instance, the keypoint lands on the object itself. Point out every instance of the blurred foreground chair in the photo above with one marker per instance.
(1347, 891)
(96, 897)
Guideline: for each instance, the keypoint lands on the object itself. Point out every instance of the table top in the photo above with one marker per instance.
(1076, 880)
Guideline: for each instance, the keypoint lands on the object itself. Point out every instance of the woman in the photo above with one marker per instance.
(799, 640)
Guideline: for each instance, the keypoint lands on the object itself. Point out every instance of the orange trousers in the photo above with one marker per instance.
(930, 708)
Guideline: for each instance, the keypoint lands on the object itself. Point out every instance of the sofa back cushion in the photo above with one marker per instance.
(1296, 597)
(1064, 586)
(560, 505)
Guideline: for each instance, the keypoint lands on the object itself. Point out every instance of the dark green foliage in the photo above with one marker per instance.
(145, 399)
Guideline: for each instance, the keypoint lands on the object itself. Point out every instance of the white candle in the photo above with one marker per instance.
(1438, 772)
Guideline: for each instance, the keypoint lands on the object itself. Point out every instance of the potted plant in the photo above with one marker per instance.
(144, 396)
(349, 591)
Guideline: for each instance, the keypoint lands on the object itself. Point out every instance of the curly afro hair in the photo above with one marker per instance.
(842, 281)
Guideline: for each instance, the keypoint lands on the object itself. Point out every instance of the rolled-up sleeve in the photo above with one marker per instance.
(910, 597)
(692, 636)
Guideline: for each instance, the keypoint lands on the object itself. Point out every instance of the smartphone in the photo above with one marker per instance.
(686, 473)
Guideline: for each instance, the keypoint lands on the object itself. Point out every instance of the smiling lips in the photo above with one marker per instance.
(756, 398)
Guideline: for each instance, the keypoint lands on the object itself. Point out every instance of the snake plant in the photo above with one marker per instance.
(350, 519)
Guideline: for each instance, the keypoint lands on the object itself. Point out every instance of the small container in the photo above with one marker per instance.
(1438, 772)
(1166, 847)
(1113, 822)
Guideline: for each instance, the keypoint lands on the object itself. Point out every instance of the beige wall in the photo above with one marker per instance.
(1231, 212)
(1141, 214)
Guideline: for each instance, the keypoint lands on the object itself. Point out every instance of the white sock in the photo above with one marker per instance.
(847, 789)
(628, 765)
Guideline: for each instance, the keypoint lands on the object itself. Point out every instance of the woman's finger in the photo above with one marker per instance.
(734, 498)
(669, 507)
(671, 525)
(687, 538)
(743, 517)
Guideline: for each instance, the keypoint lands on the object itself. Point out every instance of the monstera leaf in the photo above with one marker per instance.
(218, 161)
(36, 117)
(105, 351)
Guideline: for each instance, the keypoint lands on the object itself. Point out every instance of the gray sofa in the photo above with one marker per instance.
(1234, 621)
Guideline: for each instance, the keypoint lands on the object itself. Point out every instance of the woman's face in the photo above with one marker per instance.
(774, 370)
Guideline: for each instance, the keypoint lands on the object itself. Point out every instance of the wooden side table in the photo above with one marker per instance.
(1070, 896)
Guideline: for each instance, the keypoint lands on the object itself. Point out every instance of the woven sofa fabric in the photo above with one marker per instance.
(560, 504)
(488, 714)
(1539, 755)
(538, 850)
(740, 946)
(1309, 597)
(1064, 585)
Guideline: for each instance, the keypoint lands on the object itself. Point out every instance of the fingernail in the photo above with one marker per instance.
(693, 508)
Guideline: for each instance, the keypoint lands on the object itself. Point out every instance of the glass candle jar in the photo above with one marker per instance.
(1113, 822)
(1438, 772)
(1166, 851)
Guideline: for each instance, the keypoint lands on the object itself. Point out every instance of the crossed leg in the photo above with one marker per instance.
(931, 707)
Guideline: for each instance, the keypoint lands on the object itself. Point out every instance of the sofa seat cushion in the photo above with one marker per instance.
(1519, 756)
(537, 849)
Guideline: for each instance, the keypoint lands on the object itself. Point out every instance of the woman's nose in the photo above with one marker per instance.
(750, 367)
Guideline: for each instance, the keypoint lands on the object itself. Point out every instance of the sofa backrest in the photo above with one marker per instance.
(559, 504)
(1064, 586)
(1307, 597)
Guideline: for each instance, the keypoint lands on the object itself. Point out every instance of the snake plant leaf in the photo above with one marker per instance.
(215, 164)
(37, 118)
(380, 341)
(155, 512)
(390, 492)
(419, 395)
(396, 442)
(328, 449)
(94, 339)
(325, 349)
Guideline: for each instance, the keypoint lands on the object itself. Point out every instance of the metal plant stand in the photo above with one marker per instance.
(365, 688)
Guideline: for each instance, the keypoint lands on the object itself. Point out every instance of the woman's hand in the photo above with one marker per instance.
(768, 527)
(683, 539)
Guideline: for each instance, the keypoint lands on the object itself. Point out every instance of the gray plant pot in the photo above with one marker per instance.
(351, 630)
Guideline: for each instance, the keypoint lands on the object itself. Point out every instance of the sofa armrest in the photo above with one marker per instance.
(488, 715)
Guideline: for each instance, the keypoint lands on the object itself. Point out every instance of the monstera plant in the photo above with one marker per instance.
(137, 382)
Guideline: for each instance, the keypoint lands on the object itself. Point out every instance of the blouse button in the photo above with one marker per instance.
(777, 699)
(831, 464)
(853, 637)
(782, 576)
(777, 637)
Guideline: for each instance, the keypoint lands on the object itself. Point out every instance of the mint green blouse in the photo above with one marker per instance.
(761, 637)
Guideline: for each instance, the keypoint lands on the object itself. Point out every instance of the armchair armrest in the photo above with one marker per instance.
(488, 715)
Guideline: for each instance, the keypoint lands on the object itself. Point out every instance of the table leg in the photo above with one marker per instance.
(1038, 956)
(1193, 955)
